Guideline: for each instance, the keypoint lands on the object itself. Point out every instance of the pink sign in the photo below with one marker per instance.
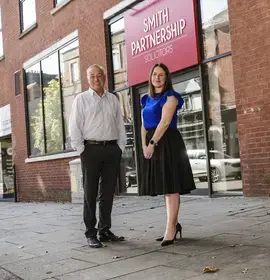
(160, 31)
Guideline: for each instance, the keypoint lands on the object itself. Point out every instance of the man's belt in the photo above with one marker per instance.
(104, 143)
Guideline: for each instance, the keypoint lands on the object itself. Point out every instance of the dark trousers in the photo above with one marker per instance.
(100, 168)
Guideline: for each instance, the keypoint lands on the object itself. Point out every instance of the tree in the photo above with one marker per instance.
(53, 120)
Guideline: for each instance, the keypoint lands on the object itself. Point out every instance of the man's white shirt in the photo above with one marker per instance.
(96, 118)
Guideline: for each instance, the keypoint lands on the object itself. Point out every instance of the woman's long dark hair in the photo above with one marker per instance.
(168, 83)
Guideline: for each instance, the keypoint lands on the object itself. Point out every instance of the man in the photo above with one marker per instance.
(97, 132)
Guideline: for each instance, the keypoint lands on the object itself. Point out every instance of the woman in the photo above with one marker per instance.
(166, 165)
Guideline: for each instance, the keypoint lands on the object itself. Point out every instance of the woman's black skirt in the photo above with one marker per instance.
(169, 170)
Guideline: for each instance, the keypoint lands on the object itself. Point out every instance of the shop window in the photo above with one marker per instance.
(1, 36)
(119, 54)
(222, 131)
(27, 14)
(70, 81)
(35, 110)
(215, 26)
(50, 93)
(52, 104)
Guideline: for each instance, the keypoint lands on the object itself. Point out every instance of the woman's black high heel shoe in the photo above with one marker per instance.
(178, 229)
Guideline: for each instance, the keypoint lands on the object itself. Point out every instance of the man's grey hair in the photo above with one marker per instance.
(95, 66)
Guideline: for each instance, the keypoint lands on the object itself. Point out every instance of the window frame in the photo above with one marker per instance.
(22, 29)
(27, 116)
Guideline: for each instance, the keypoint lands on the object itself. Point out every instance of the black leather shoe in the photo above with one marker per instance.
(93, 242)
(109, 236)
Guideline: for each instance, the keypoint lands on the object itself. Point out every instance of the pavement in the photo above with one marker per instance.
(46, 241)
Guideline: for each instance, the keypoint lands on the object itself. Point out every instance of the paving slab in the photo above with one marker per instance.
(159, 273)
(6, 275)
(50, 265)
(122, 267)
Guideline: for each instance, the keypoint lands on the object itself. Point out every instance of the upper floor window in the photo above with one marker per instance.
(27, 13)
(119, 54)
(1, 37)
(57, 2)
(216, 29)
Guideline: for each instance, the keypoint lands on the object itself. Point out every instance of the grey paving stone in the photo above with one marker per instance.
(220, 258)
(122, 249)
(6, 275)
(159, 273)
(15, 256)
(44, 248)
(254, 269)
(62, 235)
(49, 266)
(121, 268)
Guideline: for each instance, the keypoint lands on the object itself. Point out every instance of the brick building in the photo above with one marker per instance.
(46, 47)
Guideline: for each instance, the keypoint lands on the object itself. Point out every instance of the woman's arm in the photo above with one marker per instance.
(143, 135)
(166, 118)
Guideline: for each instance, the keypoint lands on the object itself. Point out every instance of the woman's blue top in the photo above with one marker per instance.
(152, 108)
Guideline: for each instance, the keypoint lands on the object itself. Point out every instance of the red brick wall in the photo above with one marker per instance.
(46, 180)
(249, 22)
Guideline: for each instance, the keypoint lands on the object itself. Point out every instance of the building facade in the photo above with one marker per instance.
(218, 57)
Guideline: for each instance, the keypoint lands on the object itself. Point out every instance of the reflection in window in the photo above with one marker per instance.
(28, 13)
(190, 122)
(116, 58)
(44, 99)
(119, 54)
(215, 25)
(52, 104)
(1, 36)
(222, 132)
(35, 110)
(128, 174)
(71, 81)
(74, 72)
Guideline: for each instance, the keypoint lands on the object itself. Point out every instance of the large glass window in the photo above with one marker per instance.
(52, 104)
(1, 36)
(50, 87)
(28, 13)
(119, 54)
(35, 110)
(222, 131)
(128, 173)
(215, 26)
(70, 78)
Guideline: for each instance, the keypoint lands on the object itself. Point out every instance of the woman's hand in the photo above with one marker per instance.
(148, 151)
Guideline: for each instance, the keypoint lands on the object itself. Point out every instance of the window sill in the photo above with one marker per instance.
(28, 30)
(60, 7)
(2, 57)
(52, 157)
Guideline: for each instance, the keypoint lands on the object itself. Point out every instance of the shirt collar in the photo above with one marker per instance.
(92, 93)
